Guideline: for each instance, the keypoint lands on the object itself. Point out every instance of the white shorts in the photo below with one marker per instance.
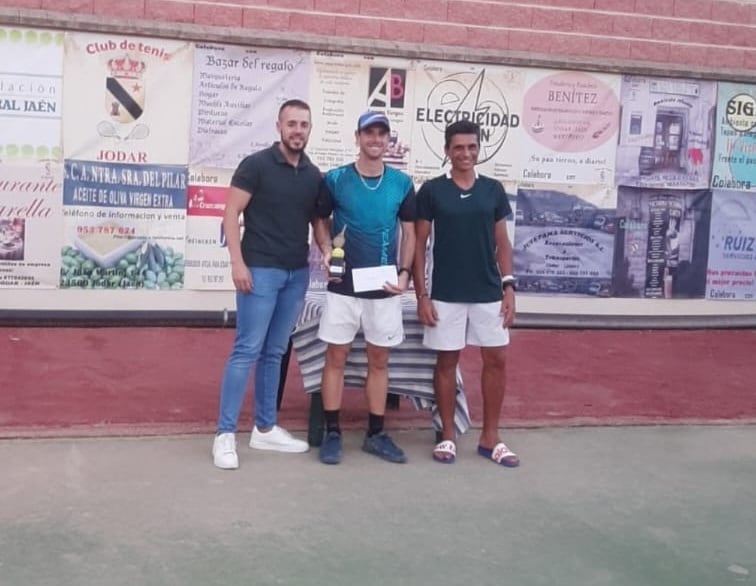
(380, 319)
(459, 324)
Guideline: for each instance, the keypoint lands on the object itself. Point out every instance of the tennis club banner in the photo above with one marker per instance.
(126, 99)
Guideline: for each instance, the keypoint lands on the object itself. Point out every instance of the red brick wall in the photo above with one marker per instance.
(695, 33)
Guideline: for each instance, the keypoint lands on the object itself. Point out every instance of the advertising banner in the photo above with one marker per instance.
(124, 226)
(570, 122)
(207, 260)
(735, 154)
(342, 87)
(31, 97)
(564, 239)
(666, 132)
(488, 95)
(732, 248)
(127, 99)
(31, 225)
(662, 243)
(236, 95)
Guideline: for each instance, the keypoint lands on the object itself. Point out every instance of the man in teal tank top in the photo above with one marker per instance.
(471, 295)
(370, 200)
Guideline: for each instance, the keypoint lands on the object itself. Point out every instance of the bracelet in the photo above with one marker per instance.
(403, 270)
(422, 296)
(508, 281)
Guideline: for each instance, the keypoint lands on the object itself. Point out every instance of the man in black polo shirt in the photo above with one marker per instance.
(471, 299)
(277, 190)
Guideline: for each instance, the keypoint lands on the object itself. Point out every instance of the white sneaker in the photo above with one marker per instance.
(224, 451)
(277, 440)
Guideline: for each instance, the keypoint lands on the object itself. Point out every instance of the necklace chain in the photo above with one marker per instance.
(377, 185)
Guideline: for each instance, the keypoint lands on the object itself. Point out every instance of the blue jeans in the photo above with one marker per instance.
(265, 319)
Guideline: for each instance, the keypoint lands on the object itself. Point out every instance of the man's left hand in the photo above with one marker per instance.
(400, 287)
(508, 306)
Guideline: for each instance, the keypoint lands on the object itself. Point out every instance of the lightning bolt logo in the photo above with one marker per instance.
(467, 96)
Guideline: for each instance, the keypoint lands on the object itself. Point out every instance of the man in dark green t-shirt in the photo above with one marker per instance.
(471, 298)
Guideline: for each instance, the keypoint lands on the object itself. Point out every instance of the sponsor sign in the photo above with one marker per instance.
(124, 226)
(30, 225)
(570, 122)
(31, 97)
(732, 246)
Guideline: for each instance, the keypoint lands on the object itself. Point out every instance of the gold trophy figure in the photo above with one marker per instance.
(336, 265)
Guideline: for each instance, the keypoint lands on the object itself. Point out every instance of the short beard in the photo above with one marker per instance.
(294, 151)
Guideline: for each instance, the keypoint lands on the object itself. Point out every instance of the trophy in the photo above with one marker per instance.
(336, 266)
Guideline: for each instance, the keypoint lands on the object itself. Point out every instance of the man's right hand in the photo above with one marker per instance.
(242, 277)
(426, 313)
(327, 266)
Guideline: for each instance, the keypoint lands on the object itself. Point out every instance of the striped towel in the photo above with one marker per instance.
(410, 364)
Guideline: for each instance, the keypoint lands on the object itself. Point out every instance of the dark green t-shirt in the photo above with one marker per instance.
(464, 245)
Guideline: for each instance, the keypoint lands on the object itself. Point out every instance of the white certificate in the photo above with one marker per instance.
(373, 278)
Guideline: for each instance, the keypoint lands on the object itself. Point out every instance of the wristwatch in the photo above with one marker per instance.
(508, 281)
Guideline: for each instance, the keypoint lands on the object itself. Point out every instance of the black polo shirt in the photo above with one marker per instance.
(283, 202)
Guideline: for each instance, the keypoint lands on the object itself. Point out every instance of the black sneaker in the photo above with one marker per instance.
(330, 449)
(383, 446)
